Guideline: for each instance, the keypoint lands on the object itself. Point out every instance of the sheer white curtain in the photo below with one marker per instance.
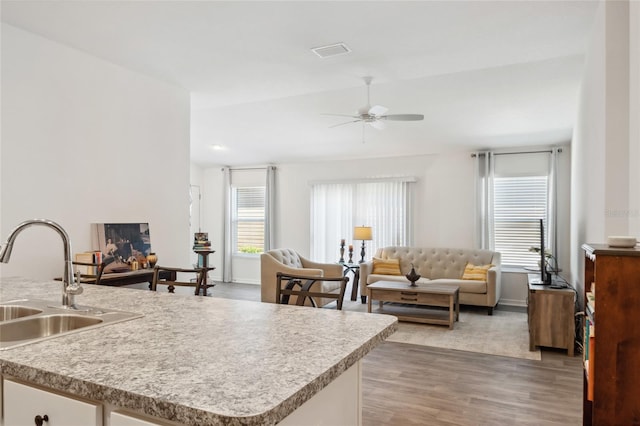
(336, 208)
(332, 219)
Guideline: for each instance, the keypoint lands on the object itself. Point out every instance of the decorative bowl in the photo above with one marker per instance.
(622, 242)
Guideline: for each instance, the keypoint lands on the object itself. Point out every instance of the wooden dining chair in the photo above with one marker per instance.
(90, 272)
(303, 288)
(190, 277)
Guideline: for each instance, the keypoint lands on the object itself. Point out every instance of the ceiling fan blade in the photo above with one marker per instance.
(340, 115)
(378, 110)
(342, 124)
(403, 117)
(377, 124)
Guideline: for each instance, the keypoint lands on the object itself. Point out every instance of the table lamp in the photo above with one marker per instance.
(362, 233)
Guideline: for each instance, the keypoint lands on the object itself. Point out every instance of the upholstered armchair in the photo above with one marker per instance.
(290, 262)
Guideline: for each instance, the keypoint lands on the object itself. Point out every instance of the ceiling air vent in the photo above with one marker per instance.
(331, 50)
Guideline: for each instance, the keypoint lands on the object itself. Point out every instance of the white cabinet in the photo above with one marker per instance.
(22, 403)
(120, 419)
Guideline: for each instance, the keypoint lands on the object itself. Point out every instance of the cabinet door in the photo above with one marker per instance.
(23, 403)
(121, 419)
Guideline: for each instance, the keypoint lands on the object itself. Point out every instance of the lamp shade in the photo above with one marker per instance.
(362, 233)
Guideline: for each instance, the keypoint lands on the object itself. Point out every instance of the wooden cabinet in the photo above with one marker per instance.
(612, 354)
(551, 316)
(22, 403)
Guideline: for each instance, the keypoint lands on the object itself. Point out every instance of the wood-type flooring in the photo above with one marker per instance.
(417, 385)
(407, 384)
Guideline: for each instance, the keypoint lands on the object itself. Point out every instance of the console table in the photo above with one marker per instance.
(203, 262)
(550, 314)
(117, 279)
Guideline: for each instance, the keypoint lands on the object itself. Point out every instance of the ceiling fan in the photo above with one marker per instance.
(375, 115)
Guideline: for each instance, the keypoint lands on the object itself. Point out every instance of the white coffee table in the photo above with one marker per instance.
(420, 295)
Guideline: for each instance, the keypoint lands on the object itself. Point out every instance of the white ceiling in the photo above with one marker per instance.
(484, 73)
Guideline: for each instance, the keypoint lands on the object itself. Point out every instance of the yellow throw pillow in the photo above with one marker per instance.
(386, 266)
(478, 273)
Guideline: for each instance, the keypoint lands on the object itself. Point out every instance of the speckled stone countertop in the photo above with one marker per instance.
(195, 360)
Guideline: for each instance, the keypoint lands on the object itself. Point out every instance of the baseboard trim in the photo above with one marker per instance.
(253, 282)
(514, 302)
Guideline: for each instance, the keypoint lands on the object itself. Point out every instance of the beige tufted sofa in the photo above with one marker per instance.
(441, 266)
(289, 261)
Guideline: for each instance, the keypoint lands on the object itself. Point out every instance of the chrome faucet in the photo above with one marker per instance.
(69, 287)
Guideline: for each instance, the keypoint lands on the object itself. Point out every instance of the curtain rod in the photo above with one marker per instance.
(550, 151)
(248, 168)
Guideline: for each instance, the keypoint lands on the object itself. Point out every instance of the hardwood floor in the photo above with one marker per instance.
(417, 385)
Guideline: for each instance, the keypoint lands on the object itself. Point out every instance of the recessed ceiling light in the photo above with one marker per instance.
(217, 147)
(331, 50)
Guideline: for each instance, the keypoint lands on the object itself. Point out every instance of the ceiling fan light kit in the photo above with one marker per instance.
(375, 115)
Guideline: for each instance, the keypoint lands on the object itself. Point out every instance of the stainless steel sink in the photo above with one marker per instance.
(30, 320)
(9, 312)
(33, 328)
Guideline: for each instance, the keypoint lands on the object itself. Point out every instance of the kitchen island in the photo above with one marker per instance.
(197, 360)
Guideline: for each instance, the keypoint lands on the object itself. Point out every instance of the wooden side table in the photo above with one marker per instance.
(203, 262)
(551, 316)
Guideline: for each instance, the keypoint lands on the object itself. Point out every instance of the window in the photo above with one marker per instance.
(515, 191)
(519, 203)
(248, 209)
(336, 208)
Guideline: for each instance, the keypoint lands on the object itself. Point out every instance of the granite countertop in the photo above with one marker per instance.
(195, 360)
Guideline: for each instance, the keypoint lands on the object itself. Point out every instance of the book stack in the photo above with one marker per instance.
(591, 300)
(94, 257)
(201, 241)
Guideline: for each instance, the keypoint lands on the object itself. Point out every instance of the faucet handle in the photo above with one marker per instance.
(74, 286)
(74, 289)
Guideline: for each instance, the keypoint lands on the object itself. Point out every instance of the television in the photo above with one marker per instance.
(545, 276)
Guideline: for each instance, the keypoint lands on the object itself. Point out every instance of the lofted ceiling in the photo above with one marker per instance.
(483, 73)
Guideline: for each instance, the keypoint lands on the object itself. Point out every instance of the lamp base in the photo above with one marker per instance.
(362, 253)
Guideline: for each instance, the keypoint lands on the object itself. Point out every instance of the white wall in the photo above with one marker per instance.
(606, 141)
(634, 121)
(86, 141)
(444, 206)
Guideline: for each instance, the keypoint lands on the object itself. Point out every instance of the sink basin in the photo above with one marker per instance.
(9, 312)
(43, 326)
(29, 320)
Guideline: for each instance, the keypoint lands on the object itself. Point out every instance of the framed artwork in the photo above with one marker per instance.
(121, 242)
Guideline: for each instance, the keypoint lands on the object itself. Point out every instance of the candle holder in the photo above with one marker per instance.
(350, 254)
(341, 251)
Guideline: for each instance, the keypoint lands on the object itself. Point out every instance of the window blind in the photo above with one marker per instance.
(248, 219)
(519, 203)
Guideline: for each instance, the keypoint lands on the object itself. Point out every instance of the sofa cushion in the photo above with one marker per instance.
(386, 266)
(466, 286)
(473, 272)
(372, 278)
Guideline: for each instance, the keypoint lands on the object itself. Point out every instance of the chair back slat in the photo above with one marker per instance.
(300, 286)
